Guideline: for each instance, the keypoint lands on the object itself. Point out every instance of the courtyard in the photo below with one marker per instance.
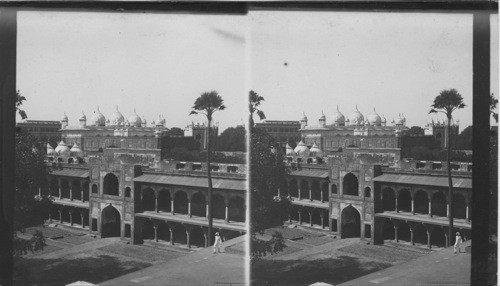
(314, 256)
(74, 255)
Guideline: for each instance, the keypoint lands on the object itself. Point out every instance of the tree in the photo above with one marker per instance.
(446, 102)
(19, 101)
(175, 131)
(415, 131)
(267, 174)
(207, 104)
(232, 139)
(493, 106)
(254, 100)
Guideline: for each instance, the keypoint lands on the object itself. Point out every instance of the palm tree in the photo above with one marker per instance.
(207, 104)
(493, 106)
(254, 100)
(446, 102)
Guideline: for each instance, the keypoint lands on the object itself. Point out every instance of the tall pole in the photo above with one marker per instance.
(450, 183)
(209, 175)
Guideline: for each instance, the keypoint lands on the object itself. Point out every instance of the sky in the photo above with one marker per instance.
(69, 62)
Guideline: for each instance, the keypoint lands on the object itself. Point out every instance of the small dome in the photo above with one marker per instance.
(383, 119)
(315, 149)
(356, 118)
(135, 120)
(401, 120)
(50, 150)
(83, 117)
(304, 117)
(289, 150)
(374, 119)
(301, 149)
(65, 117)
(62, 149)
(143, 121)
(322, 116)
(76, 151)
(98, 119)
(338, 119)
(116, 118)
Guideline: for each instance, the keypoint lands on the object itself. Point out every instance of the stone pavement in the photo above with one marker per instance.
(199, 268)
(439, 268)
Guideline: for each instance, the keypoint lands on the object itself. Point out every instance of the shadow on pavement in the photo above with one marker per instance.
(305, 272)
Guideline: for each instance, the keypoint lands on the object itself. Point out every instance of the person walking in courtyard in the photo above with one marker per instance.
(218, 243)
(458, 242)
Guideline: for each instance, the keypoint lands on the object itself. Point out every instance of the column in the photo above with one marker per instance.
(155, 226)
(447, 209)
(188, 240)
(467, 218)
(428, 239)
(411, 236)
(310, 218)
(226, 217)
(59, 187)
(81, 191)
(171, 235)
(300, 216)
(71, 191)
(412, 206)
(310, 191)
(60, 216)
(189, 208)
(396, 202)
(50, 217)
(299, 190)
(396, 233)
(82, 220)
(322, 215)
(279, 192)
(156, 201)
(430, 207)
(71, 218)
(446, 239)
(290, 216)
(172, 205)
(206, 210)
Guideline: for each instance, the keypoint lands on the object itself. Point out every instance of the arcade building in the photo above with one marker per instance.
(349, 177)
(110, 178)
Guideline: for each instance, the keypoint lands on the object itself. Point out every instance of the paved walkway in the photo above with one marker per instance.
(439, 268)
(199, 268)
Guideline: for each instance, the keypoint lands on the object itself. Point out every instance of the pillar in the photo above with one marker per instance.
(290, 216)
(59, 188)
(322, 215)
(226, 215)
(171, 235)
(189, 208)
(321, 194)
(60, 216)
(310, 191)
(411, 235)
(430, 207)
(206, 239)
(467, 217)
(155, 226)
(279, 192)
(206, 210)
(396, 233)
(71, 218)
(81, 191)
(396, 204)
(172, 205)
(300, 216)
(156, 201)
(50, 217)
(412, 206)
(188, 240)
(447, 209)
(71, 191)
(447, 244)
(310, 218)
(299, 190)
(428, 239)
(82, 219)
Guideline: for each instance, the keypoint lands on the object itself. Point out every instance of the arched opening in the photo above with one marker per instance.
(64, 189)
(148, 200)
(351, 222)
(437, 237)
(404, 200)
(164, 201)
(420, 235)
(334, 189)
(324, 190)
(198, 205)
(350, 185)
(163, 232)
(196, 238)
(148, 231)
(388, 232)
(304, 189)
(388, 199)
(404, 233)
(111, 185)
(86, 191)
(306, 215)
(316, 217)
(439, 204)
(421, 202)
(459, 206)
(181, 202)
(180, 235)
(128, 192)
(75, 188)
(54, 188)
(65, 215)
(110, 221)
(218, 207)
(368, 192)
(294, 214)
(236, 209)
(315, 191)
(94, 189)
(293, 190)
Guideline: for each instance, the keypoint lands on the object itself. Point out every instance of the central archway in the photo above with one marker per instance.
(110, 222)
(350, 185)
(351, 222)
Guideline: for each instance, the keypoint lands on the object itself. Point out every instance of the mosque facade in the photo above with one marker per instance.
(349, 176)
(110, 177)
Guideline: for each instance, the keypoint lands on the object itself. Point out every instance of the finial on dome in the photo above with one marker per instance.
(357, 107)
(338, 108)
(374, 110)
(98, 109)
(117, 108)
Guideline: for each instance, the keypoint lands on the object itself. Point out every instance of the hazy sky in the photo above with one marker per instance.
(298, 61)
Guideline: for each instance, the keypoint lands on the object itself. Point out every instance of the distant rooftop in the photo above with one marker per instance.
(41, 122)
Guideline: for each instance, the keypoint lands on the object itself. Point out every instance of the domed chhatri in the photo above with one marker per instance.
(98, 118)
(289, 150)
(50, 150)
(316, 150)
(401, 120)
(356, 118)
(322, 116)
(83, 117)
(144, 122)
(135, 120)
(338, 119)
(62, 149)
(64, 118)
(76, 151)
(301, 149)
(116, 118)
(374, 119)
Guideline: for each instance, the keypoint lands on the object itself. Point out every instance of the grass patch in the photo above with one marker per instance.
(381, 252)
(141, 252)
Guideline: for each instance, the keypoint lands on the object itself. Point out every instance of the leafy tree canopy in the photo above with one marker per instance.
(231, 139)
(447, 101)
(415, 131)
(254, 101)
(208, 103)
(175, 131)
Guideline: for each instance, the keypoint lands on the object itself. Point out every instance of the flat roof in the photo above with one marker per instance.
(71, 173)
(311, 173)
(424, 180)
(217, 183)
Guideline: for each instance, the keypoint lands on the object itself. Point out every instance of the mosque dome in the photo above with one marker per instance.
(76, 151)
(322, 116)
(135, 120)
(83, 117)
(50, 150)
(374, 119)
(98, 119)
(401, 120)
(356, 118)
(289, 150)
(338, 119)
(383, 121)
(62, 149)
(301, 149)
(304, 117)
(65, 117)
(316, 150)
(116, 118)
(143, 123)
